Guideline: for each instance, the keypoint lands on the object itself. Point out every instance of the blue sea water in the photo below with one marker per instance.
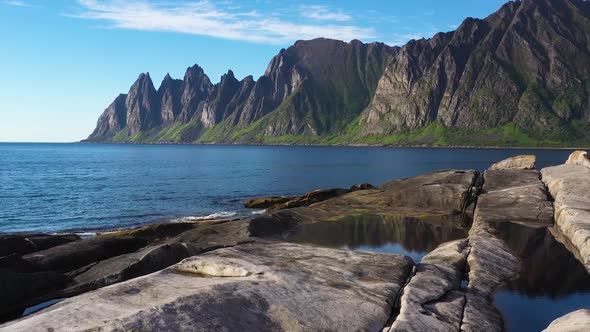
(92, 187)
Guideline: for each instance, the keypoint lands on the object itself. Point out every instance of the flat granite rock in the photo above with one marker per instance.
(442, 190)
(577, 321)
(519, 162)
(516, 196)
(431, 300)
(258, 286)
(569, 185)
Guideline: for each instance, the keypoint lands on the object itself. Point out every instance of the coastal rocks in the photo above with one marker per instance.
(80, 253)
(266, 202)
(442, 191)
(24, 244)
(159, 232)
(260, 286)
(18, 288)
(579, 158)
(124, 267)
(526, 162)
(431, 300)
(568, 184)
(282, 202)
(440, 196)
(576, 321)
(516, 196)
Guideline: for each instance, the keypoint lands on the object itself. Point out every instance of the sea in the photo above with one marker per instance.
(89, 188)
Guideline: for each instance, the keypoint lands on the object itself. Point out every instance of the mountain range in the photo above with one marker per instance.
(520, 77)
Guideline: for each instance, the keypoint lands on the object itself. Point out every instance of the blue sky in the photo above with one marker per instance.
(63, 61)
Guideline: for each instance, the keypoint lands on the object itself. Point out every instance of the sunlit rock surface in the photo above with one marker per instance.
(259, 286)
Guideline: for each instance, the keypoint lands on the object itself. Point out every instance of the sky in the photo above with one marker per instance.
(62, 62)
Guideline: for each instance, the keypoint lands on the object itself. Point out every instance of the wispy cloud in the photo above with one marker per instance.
(323, 13)
(221, 20)
(17, 3)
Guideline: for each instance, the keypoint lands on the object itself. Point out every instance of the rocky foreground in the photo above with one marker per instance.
(245, 275)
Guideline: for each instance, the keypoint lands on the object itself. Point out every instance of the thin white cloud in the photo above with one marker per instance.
(17, 3)
(206, 19)
(323, 13)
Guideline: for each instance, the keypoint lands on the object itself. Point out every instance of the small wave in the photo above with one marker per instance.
(258, 212)
(216, 215)
(85, 235)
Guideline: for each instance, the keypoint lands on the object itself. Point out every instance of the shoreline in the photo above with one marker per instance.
(342, 145)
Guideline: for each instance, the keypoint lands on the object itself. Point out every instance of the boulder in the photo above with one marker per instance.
(577, 321)
(525, 162)
(579, 158)
(80, 253)
(24, 244)
(259, 286)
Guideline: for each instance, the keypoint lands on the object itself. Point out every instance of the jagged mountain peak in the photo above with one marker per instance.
(525, 67)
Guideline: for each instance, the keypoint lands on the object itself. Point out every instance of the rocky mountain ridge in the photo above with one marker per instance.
(517, 77)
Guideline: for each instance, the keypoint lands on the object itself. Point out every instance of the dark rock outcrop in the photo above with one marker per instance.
(312, 197)
(80, 253)
(24, 244)
(16, 289)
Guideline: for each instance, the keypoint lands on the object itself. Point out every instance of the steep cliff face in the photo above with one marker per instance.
(170, 93)
(112, 120)
(196, 88)
(518, 77)
(142, 106)
(526, 65)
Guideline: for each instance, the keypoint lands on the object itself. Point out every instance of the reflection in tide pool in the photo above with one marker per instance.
(410, 236)
(551, 284)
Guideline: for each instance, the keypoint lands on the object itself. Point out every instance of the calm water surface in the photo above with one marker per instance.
(552, 281)
(89, 187)
(413, 237)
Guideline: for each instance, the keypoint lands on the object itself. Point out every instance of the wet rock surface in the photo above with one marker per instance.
(265, 286)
